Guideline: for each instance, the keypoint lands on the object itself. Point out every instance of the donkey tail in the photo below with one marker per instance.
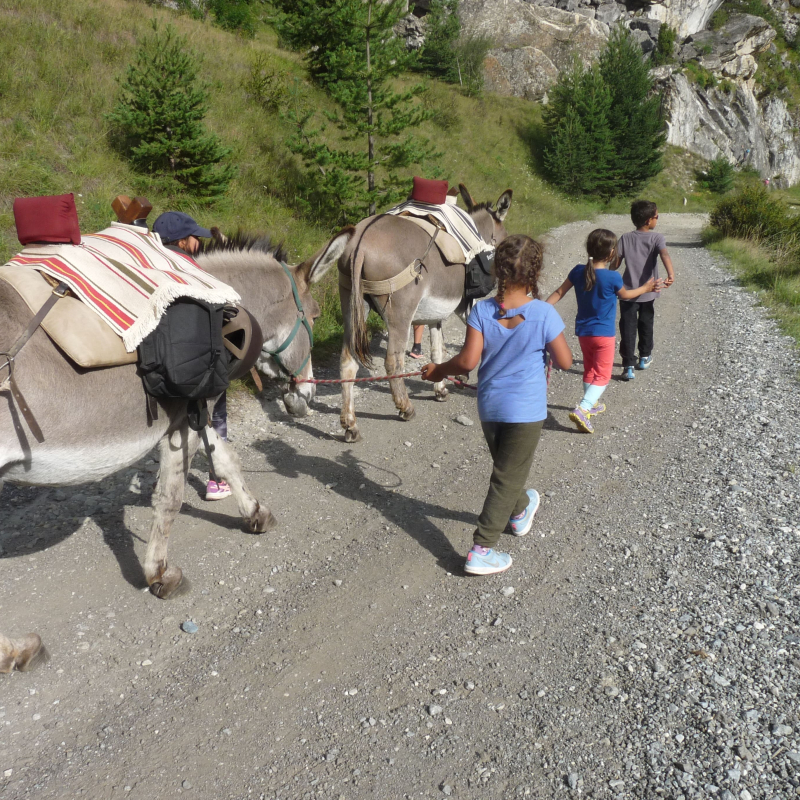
(359, 338)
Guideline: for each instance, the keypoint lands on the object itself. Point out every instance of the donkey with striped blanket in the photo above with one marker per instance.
(95, 422)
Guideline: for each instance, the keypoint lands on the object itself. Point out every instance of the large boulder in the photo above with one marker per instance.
(532, 44)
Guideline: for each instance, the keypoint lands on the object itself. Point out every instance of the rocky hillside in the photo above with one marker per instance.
(718, 102)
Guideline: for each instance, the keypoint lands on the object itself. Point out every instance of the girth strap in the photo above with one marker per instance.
(9, 383)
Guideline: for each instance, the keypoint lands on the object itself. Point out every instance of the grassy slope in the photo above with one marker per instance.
(776, 282)
(58, 63)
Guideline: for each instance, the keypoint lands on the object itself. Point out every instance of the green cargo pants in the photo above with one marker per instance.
(512, 445)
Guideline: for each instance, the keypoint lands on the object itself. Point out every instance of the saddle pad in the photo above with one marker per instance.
(448, 246)
(455, 221)
(71, 324)
(127, 276)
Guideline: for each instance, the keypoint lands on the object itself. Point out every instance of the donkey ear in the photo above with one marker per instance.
(218, 236)
(466, 197)
(313, 269)
(503, 204)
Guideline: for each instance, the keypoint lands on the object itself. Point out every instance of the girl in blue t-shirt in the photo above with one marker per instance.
(509, 335)
(596, 290)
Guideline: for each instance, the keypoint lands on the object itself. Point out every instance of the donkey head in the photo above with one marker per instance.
(488, 217)
(298, 395)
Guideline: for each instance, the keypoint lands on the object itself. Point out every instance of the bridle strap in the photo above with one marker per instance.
(301, 320)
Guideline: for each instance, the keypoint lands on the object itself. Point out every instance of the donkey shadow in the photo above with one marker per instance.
(117, 536)
(347, 473)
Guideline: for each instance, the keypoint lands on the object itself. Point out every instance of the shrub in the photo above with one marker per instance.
(753, 213)
(718, 176)
(665, 47)
(268, 86)
(471, 50)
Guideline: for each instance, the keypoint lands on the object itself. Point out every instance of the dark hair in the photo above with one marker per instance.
(518, 262)
(642, 211)
(600, 244)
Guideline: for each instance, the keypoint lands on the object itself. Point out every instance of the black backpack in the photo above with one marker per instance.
(185, 356)
(478, 278)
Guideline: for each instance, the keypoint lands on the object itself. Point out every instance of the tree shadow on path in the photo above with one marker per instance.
(347, 473)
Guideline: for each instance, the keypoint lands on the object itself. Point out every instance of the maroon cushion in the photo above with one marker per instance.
(52, 219)
(427, 191)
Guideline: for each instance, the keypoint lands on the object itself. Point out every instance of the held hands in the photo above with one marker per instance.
(655, 285)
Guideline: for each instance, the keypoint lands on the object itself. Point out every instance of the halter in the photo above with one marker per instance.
(301, 320)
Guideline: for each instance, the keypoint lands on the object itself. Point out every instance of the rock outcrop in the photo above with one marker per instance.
(532, 44)
(534, 40)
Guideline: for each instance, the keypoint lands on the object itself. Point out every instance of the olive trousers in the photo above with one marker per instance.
(512, 445)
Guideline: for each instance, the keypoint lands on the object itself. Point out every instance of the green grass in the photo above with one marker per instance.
(773, 275)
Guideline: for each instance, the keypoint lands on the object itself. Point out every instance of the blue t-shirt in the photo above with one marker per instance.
(512, 386)
(597, 309)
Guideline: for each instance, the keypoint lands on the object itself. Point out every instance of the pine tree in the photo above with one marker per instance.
(580, 152)
(352, 52)
(159, 118)
(439, 56)
(636, 117)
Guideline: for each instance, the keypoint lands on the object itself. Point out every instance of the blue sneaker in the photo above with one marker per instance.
(628, 374)
(521, 526)
(489, 564)
(644, 362)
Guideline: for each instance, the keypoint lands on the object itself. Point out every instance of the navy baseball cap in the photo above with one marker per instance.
(172, 226)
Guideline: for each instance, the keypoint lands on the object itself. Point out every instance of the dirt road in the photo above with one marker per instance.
(644, 643)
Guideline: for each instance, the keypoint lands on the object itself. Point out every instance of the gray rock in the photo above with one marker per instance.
(434, 710)
(463, 419)
(189, 627)
(650, 26)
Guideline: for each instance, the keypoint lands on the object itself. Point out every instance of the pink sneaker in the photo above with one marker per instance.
(217, 491)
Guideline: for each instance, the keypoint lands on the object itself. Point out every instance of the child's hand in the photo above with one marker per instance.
(669, 280)
(429, 372)
(651, 286)
(659, 285)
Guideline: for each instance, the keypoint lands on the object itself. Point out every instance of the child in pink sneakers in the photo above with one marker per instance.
(596, 290)
(509, 335)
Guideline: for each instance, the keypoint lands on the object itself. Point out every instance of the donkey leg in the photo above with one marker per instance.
(23, 654)
(176, 451)
(348, 368)
(437, 356)
(228, 467)
(7, 657)
(395, 363)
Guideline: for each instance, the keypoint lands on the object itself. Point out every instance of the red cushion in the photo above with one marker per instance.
(52, 219)
(427, 191)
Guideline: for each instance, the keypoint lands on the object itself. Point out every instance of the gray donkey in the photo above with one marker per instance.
(95, 422)
(381, 248)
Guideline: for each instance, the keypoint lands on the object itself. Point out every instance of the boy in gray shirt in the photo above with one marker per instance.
(640, 249)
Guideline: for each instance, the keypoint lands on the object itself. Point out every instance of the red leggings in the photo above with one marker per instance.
(598, 358)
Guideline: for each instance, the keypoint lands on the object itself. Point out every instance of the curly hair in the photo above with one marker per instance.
(518, 262)
(600, 244)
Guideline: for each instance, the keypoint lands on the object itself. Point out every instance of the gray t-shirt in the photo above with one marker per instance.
(640, 250)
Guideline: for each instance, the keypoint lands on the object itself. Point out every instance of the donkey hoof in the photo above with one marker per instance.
(30, 652)
(408, 414)
(441, 395)
(169, 583)
(262, 521)
(352, 435)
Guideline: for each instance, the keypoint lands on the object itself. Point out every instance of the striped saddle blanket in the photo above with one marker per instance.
(454, 220)
(126, 275)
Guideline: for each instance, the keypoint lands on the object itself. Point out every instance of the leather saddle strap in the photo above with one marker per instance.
(59, 292)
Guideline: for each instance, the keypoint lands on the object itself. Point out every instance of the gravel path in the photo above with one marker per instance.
(645, 643)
